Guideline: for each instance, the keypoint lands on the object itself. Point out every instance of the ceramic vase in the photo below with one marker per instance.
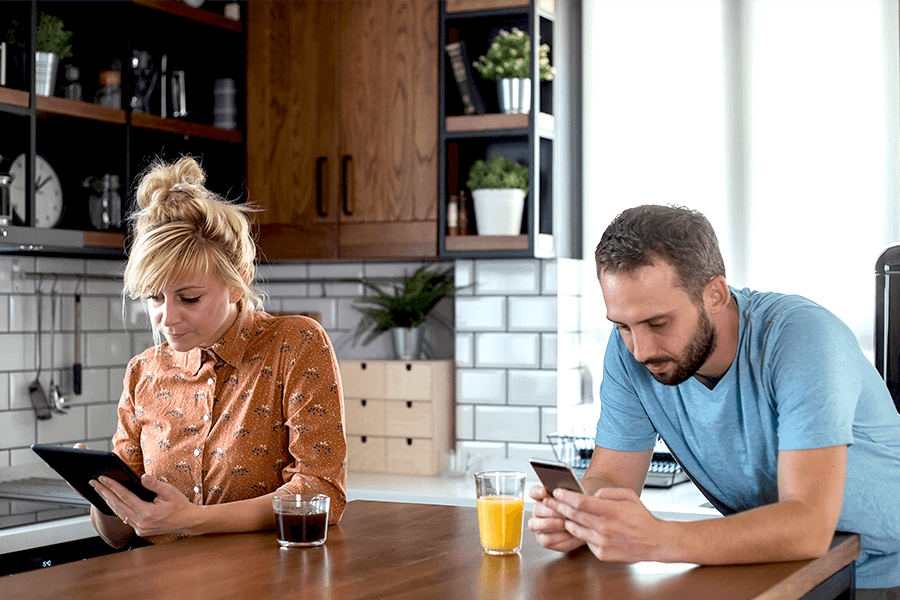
(45, 67)
(407, 342)
(499, 211)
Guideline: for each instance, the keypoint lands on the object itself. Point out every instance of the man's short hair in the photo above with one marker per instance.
(680, 236)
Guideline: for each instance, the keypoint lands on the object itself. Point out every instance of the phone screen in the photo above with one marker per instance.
(556, 475)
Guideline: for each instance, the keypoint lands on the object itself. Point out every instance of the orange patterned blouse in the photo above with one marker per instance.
(261, 409)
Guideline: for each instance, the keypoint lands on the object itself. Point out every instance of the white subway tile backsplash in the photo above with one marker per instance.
(23, 313)
(507, 423)
(507, 277)
(569, 350)
(19, 398)
(486, 386)
(465, 348)
(6, 274)
(507, 350)
(64, 266)
(532, 387)
(17, 428)
(347, 316)
(60, 428)
(101, 421)
(4, 314)
(111, 287)
(391, 269)
(107, 349)
(116, 383)
(484, 456)
(569, 273)
(549, 344)
(336, 271)
(533, 313)
(549, 277)
(95, 313)
(4, 391)
(139, 343)
(464, 277)
(481, 314)
(18, 351)
(94, 387)
(521, 453)
(548, 422)
(465, 422)
(570, 387)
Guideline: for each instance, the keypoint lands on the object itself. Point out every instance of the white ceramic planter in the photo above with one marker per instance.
(46, 64)
(499, 211)
(514, 95)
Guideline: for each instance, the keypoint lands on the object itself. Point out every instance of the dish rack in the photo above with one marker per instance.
(576, 451)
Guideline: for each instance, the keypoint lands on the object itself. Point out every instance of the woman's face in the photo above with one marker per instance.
(195, 312)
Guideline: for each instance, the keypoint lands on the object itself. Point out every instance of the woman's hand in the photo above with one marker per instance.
(549, 525)
(170, 511)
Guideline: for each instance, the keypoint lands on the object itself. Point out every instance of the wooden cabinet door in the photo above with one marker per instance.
(389, 127)
(292, 98)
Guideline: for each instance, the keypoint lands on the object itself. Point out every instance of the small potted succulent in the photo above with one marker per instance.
(498, 188)
(508, 62)
(403, 309)
(52, 41)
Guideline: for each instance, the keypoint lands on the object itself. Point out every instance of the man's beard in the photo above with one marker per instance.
(697, 351)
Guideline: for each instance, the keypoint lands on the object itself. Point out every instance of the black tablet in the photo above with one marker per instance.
(79, 466)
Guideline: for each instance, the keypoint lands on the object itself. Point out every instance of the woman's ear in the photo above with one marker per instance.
(716, 296)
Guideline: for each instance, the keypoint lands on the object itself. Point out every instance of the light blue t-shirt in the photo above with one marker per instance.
(799, 381)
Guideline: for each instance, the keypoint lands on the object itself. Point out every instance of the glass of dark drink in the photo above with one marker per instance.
(301, 519)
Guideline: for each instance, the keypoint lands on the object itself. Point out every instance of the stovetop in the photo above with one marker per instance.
(38, 500)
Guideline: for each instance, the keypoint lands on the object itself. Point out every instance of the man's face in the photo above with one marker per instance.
(661, 326)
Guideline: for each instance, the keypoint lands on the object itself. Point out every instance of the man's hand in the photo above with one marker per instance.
(170, 511)
(549, 525)
(614, 523)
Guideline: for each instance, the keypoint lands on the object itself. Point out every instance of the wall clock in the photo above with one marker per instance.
(48, 206)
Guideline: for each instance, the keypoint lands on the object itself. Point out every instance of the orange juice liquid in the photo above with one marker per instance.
(500, 523)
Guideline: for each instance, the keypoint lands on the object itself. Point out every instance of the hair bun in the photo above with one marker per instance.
(172, 192)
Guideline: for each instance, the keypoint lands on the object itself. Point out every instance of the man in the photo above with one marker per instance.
(766, 400)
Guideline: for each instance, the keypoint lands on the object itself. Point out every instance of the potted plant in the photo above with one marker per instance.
(508, 62)
(403, 309)
(52, 42)
(498, 188)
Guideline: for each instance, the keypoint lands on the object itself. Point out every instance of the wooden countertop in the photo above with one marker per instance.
(402, 550)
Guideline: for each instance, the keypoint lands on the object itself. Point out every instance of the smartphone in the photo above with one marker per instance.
(79, 466)
(554, 474)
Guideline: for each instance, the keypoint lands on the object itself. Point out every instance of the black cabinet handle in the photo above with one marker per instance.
(363, 439)
(409, 405)
(321, 163)
(363, 402)
(346, 181)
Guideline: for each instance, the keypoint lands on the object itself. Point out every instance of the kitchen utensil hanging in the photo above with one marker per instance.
(57, 401)
(36, 390)
(76, 369)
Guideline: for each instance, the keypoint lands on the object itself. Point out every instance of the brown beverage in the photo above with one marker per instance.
(301, 528)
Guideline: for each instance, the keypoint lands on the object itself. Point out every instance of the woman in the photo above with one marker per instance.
(235, 406)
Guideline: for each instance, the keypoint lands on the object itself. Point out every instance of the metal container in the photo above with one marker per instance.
(5, 202)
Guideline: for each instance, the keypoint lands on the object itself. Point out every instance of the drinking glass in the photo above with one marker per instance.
(301, 519)
(501, 503)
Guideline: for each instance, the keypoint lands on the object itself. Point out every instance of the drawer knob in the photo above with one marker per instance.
(409, 441)
(363, 439)
(363, 402)
(362, 366)
(408, 366)
(409, 405)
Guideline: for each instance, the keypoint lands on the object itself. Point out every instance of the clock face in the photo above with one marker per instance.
(47, 196)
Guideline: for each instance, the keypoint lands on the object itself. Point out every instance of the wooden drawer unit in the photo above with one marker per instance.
(399, 415)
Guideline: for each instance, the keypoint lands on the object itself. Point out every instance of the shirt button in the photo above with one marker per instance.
(197, 452)
(210, 381)
(206, 417)
(196, 489)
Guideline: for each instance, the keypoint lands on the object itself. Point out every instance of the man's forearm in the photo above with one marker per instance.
(777, 532)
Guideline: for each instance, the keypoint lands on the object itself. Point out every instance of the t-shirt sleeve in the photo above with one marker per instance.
(813, 378)
(623, 424)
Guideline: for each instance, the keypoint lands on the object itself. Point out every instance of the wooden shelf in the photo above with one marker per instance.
(478, 243)
(147, 121)
(104, 239)
(454, 6)
(84, 110)
(14, 97)
(181, 9)
(497, 122)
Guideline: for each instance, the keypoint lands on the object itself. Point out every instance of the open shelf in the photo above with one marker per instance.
(180, 9)
(497, 122)
(14, 97)
(157, 123)
(84, 110)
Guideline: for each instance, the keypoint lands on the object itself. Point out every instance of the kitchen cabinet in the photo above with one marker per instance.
(343, 127)
(546, 139)
(399, 415)
(82, 139)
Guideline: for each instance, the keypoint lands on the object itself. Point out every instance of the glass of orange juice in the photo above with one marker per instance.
(501, 503)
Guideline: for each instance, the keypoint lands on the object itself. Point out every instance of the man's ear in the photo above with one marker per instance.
(716, 296)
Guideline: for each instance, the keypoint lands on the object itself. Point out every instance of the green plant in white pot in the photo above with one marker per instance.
(52, 42)
(498, 189)
(508, 62)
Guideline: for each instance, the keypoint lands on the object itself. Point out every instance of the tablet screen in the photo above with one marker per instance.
(79, 466)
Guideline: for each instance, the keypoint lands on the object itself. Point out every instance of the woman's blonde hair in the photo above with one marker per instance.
(181, 229)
